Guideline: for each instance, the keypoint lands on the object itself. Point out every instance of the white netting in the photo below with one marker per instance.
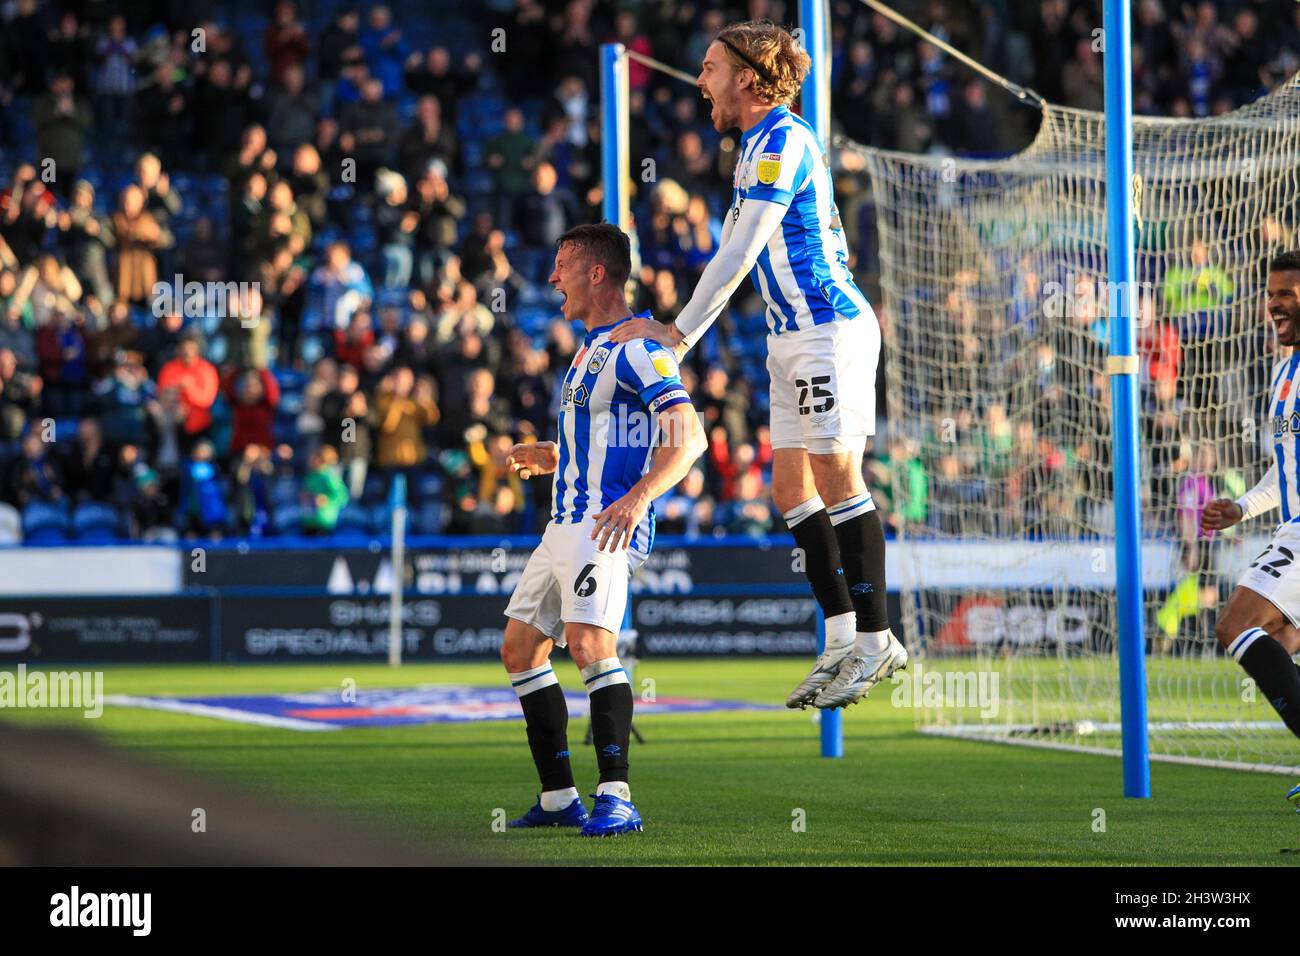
(994, 309)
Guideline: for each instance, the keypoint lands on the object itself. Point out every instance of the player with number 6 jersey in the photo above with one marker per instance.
(627, 433)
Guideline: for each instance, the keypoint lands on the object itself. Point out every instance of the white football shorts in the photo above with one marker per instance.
(1275, 574)
(823, 385)
(567, 580)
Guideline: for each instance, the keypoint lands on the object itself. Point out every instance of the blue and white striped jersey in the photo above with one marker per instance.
(803, 273)
(609, 406)
(1284, 430)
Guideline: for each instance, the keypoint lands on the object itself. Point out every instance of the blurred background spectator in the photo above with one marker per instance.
(365, 202)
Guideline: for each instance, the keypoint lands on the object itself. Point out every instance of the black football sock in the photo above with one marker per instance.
(1268, 662)
(814, 536)
(547, 717)
(862, 550)
(611, 716)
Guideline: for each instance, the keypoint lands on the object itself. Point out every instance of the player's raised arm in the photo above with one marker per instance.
(739, 250)
(758, 220)
(1263, 498)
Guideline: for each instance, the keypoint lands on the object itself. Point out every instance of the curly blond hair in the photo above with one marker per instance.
(778, 62)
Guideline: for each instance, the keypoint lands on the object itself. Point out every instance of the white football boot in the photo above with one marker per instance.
(823, 672)
(858, 674)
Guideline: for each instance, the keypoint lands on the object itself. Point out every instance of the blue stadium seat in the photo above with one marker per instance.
(429, 518)
(287, 520)
(376, 488)
(95, 522)
(381, 520)
(45, 523)
(354, 519)
(428, 485)
(284, 491)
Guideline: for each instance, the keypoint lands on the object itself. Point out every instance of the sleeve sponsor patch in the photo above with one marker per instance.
(664, 364)
(673, 396)
(769, 168)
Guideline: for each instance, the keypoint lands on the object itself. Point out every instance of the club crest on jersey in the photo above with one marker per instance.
(769, 168)
(598, 358)
(1286, 390)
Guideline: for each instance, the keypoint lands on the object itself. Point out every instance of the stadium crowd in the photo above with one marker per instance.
(255, 262)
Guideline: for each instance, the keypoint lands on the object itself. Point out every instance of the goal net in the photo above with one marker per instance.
(995, 316)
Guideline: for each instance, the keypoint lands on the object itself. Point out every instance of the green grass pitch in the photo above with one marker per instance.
(713, 789)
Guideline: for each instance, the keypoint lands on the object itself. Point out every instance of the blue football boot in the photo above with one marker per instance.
(574, 815)
(1294, 796)
(611, 816)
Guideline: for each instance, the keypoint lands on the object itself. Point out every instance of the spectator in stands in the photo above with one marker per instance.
(335, 42)
(284, 225)
(165, 113)
(115, 57)
(285, 42)
(722, 404)
(246, 223)
(151, 511)
(20, 396)
(254, 155)
(351, 346)
(481, 405)
(675, 512)
(138, 238)
(125, 401)
(68, 50)
(35, 474)
(544, 212)
(253, 396)
(160, 200)
(253, 474)
(404, 408)
(62, 121)
(61, 350)
(489, 453)
(347, 427)
(427, 140)
(385, 50)
(222, 100)
(88, 467)
(509, 155)
(16, 320)
(310, 184)
(324, 493)
(343, 283)
(51, 288)
(396, 223)
(246, 327)
(369, 130)
(204, 259)
(86, 238)
(439, 211)
(195, 384)
(438, 76)
(291, 111)
(749, 514)
(202, 508)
